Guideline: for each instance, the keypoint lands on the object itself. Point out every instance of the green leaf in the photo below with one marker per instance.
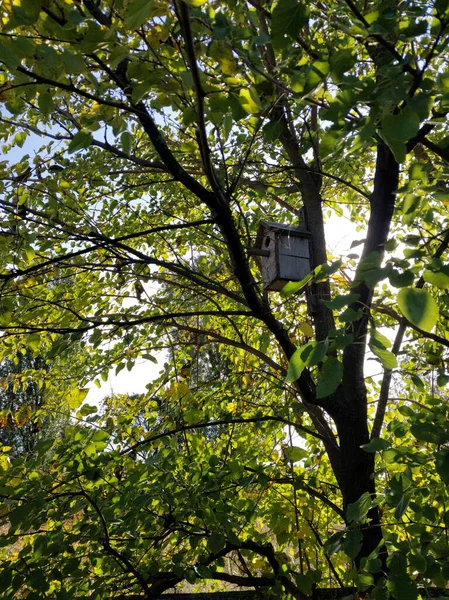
(295, 454)
(350, 315)
(87, 409)
(314, 352)
(305, 582)
(310, 354)
(272, 131)
(23, 46)
(74, 63)
(379, 340)
(5, 577)
(402, 505)
(341, 301)
(353, 543)
(359, 509)
(419, 307)
(18, 517)
(330, 377)
(126, 141)
(292, 287)
(296, 366)
(83, 139)
(380, 592)
(401, 127)
(439, 279)
(398, 148)
(373, 276)
(334, 543)
(316, 74)
(138, 13)
(399, 583)
(417, 382)
(216, 542)
(442, 465)
(442, 380)
(288, 17)
(341, 62)
(28, 12)
(8, 57)
(364, 581)
(373, 565)
(429, 432)
(417, 562)
(400, 280)
(378, 345)
(45, 103)
(376, 445)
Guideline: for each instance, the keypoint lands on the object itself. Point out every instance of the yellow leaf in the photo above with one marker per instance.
(306, 328)
(228, 65)
(76, 397)
(250, 101)
(182, 387)
(4, 462)
(23, 415)
(195, 3)
(340, 279)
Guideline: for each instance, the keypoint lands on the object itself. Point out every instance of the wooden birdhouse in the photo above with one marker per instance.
(284, 253)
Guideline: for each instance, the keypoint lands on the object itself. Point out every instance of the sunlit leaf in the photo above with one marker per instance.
(250, 101)
(419, 307)
(439, 279)
(76, 397)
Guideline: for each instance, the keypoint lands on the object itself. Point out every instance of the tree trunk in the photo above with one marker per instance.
(357, 469)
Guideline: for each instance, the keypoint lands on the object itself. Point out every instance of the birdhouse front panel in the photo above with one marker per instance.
(284, 252)
(293, 258)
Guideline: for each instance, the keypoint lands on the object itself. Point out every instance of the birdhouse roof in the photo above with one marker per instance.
(282, 228)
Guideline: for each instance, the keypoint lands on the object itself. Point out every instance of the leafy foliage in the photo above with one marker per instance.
(143, 144)
(24, 418)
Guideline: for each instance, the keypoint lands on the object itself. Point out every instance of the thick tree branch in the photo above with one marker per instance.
(229, 342)
(298, 482)
(386, 178)
(323, 317)
(94, 9)
(441, 152)
(184, 20)
(382, 41)
(124, 562)
(206, 424)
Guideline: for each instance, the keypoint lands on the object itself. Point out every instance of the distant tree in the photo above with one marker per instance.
(22, 395)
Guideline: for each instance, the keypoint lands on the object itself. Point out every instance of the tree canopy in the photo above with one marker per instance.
(144, 143)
